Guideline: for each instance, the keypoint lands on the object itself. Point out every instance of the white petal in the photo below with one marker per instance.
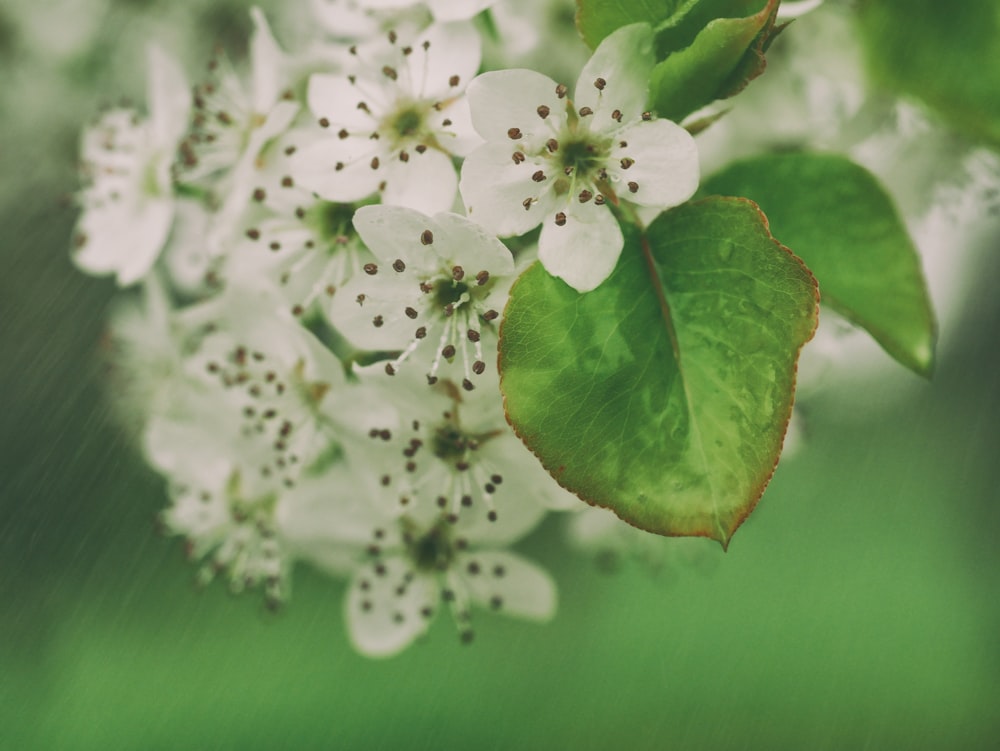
(381, 622)
(494, 189)
(336, 98)
(457, 10)
(623, 60)
(466, 243)
(525, 590)
(789, 10)
(584, 251)
(454, 50)
(392, 232)
(665, 166)
(460, 137)
(427, 182)
(314, 167)
(169, 98)
(506, 99)
(267, 60)
(125, 241)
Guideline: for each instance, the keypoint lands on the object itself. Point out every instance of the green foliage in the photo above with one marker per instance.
(948, 54)
(664, 394)
(705, 49)
(834, 215)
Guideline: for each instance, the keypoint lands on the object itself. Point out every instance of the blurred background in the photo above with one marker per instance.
(858, 607)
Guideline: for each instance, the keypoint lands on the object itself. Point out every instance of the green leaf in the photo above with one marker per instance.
(595, 19)
(725, 55)
(947, 54)
(665, 393)
(680, 29)
(835, 216)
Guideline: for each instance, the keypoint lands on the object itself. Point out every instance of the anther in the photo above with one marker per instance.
(478, 367)
(473, 335)
(448, 351)
(253, 234)
(389, 370)
(374, 162)
(420, 333)
(633, 187)
(404, 156)
(490, 315)
(410, 313)
(514, 133)
(457, 273)
(538, 177)
(599, 84)
(324, 122)
(617, 115)
(585, 111)
(426, 237)
(453, 81)
(627, 162)
(287, 182)
(377, 322)
(342, 134)
(552, 145)
(467, 384)
(259, 194)
(561, 90)
(518, 157)
(527, 203)
(543, 111)
(647, 115)
(398, 265)
(482, 277)
(371, 269)
(389, 72)
(560, 219)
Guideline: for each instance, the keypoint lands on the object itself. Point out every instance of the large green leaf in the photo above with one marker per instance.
(835, 216)
(948, 54)
(725, 55)
(664, 394)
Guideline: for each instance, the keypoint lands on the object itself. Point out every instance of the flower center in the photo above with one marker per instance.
(332, 221)
(447, 292)
(406, 123)
(433, 550)
(450, 442)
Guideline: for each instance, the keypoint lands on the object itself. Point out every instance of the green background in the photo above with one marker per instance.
(857, 608)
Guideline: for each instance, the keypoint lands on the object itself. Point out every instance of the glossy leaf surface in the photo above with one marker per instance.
(837, 218)
(664, 394)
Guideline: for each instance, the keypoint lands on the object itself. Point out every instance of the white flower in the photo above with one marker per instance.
(393, 121)
(128, 206)
(561, 162)
(264, 389)
(228, 526)
(261, 408)
(453, 453)
(357, 19)
(233, 123)
(415, 569)
(435, 292)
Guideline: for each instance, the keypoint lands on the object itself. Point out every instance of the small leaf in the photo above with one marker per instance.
(948, 54)
(595, 19)
(664, 394)
(834, 215)
(726, 54)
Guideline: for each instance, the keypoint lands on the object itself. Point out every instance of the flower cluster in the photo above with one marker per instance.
(315, 244)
